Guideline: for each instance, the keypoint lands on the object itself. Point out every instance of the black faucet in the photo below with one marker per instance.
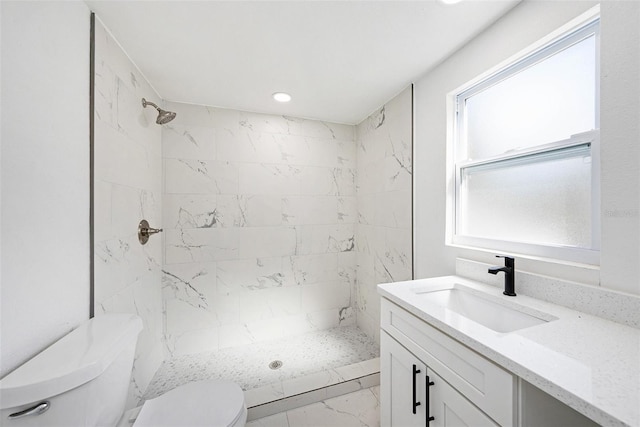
(509, 274)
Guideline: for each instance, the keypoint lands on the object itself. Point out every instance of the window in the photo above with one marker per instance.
(525, 152)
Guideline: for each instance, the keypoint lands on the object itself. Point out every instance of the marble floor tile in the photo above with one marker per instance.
(358, 409)
(277, 420)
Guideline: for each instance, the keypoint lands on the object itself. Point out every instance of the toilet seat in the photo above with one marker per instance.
(201, 403)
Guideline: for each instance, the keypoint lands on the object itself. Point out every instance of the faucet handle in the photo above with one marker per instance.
(508, 261)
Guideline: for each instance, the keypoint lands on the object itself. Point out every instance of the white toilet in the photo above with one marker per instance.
(83, 379)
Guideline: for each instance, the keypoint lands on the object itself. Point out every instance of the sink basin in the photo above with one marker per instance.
(480, 309)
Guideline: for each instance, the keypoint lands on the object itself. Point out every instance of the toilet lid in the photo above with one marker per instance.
(201, 403)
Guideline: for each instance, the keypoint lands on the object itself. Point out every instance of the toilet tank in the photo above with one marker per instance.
(84, 376)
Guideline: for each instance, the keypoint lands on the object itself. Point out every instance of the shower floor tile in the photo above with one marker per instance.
(248, 366)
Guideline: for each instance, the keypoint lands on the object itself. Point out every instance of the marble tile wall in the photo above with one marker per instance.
(259, 213)
(383, 231)
(127, 188)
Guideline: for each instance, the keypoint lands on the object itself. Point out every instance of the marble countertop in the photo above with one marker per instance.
(588, 363)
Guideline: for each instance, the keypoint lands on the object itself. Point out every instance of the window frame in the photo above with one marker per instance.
(577, 30)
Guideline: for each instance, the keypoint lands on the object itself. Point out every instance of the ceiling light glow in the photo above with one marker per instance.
(450, 1)
(281, 97)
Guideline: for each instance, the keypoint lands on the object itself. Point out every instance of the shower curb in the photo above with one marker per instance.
(313, 394)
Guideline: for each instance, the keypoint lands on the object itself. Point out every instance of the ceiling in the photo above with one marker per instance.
(339, 60)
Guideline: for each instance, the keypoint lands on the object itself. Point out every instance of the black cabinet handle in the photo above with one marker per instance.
(416, 371)
(429, 384)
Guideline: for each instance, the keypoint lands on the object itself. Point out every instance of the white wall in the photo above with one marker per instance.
(259, 217)
(383, 238)
(524, 25)
(620, 136)
(45, 175)
(127, 183)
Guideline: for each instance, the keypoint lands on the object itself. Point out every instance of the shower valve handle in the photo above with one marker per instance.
(144, 231)
(150, 231)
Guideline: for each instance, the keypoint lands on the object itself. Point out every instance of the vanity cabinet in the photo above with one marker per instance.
(467, 389)
(417, 396)
(424, 373)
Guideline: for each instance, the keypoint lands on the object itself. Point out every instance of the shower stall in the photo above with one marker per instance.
(275, 232)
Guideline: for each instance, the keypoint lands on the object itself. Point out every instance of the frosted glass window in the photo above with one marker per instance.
(540, 202)
(526, 152)
(548, 101)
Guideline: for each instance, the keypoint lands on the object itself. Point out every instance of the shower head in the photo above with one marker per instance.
(163, 116)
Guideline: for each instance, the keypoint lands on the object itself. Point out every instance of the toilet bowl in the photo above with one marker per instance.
(201, 403)
(83, 380)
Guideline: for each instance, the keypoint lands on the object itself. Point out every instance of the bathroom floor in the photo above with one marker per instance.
(358, 409)
(248, 366)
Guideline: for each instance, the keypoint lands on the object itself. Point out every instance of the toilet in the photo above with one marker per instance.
(83, 380)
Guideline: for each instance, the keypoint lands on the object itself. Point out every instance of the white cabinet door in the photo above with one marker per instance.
(450, 409)
(402, 385)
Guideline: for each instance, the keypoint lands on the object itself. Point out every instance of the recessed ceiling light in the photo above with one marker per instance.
(450, 1)
(281, 97)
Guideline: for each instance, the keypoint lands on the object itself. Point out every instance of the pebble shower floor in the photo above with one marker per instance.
(248, 366)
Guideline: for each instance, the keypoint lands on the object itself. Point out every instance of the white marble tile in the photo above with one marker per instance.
(120, 160)
(391, 209)
(277, 408)
(350, 372)
(120, 262)
(270, 179)
(366, 208)
(192, 342)
(126, 207)
(315, 381)
(256, 242)
(105, 90)
(190, 211)
(347, 209)
(394, 264)
(325, 296)
(369, 381)
(200, 115)
(347, 154)
(102, 229)
(325, 319)
(356, 409)
(182, 316)
(201, 245)
(318, 268)
(376, 391)
(326, 181)
(245, 145)
(134, 121)
(235, 335)
(366, 323)
(321, 239)
(371, 366)
(263, 304)
(344, 387)
(249, 210)
(277, 420)
(310, 151)
(266, 329)
(188, 142)
(370, 177)
(238, 275)
(188, 176)
(307, 210)
(397, 169)
(267, 393)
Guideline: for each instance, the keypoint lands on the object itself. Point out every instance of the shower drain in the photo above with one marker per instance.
(276, 364)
